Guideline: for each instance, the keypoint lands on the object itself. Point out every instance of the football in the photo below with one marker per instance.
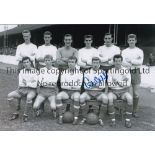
(92, 118)
(68, 117)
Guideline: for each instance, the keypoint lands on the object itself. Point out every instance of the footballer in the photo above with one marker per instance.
(28, 78)
(86, 53)
(27, 49)
(46, 49)
(71, 81)
(96, 89)
(107, 51)
(119, 83)
(47, 86)
(133, 59)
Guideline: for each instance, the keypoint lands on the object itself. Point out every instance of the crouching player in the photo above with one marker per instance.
(119, 81)
(28, 78)
(47, 83)
(95, 88)
(71, 81)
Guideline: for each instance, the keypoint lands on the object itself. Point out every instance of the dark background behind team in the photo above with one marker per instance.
(145, 34)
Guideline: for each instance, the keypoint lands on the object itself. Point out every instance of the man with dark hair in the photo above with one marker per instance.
(71, 81)
(65, 52)
(119, 83)
(85, 54)
(46, 49)
(95, 88)
(107, 51)
(28, 78)
(27, 49)
(133, 59)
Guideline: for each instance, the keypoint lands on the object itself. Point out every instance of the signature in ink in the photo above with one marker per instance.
(96, 82)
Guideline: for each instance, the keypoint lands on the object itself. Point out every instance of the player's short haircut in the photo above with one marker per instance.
(117, 56)
(88, 36)
(47, 33)
(107, 34)
(48, 57)
(73, 58)
(95, 59)
(132, 36)
(68, 35)
(26, 58)
(26, 31)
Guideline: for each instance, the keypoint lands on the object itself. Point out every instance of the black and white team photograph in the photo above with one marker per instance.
(77, 77)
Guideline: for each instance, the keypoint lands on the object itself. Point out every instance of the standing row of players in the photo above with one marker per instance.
(86, 58)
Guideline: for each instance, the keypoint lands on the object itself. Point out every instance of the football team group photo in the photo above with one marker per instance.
(77, 77)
